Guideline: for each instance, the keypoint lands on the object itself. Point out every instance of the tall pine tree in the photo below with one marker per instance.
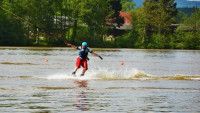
(160, 14)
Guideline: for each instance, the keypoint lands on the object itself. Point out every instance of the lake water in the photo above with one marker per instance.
(149, 81)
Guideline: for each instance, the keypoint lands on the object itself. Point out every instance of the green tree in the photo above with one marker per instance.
(180, 17)
(94, 17)
(153, 22)
(188, 32)
(90, 14)
(160, 13)
(140, 26)
(11, 31)
(127, 5)
(114, 13)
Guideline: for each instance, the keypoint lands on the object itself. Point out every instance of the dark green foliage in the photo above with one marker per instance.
(127, 5)
(187, 40)
(87, 20)
(180, 17)
(116, 8)
(160, 14)
(188, 32)
(125, 41)
(11, 31)
(188, 11)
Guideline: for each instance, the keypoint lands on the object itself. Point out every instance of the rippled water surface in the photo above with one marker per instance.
(149, 81)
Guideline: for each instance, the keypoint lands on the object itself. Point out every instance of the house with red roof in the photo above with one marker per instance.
(120, 30)
(127, 17)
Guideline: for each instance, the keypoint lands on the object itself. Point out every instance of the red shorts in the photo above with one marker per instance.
(81, 62)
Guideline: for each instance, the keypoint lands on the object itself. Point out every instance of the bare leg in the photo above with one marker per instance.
(84, 70)
(76, 68)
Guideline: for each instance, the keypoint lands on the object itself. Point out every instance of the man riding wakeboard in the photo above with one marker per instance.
(82, 57)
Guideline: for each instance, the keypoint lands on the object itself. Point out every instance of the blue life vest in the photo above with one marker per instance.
(83, 53)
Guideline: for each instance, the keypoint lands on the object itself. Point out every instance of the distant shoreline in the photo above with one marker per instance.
(113, 48)
(180, 3)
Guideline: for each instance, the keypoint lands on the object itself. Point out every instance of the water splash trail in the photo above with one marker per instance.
(106, 74)
(123, 74)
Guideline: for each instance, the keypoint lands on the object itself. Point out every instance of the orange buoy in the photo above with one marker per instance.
(46, 60)
(122, 63)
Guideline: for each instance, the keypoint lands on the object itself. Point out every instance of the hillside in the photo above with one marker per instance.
(180, 3)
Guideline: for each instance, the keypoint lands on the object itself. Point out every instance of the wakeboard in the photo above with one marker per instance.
(74, 75)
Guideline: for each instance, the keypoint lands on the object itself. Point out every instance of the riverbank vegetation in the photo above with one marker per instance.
(156, 24)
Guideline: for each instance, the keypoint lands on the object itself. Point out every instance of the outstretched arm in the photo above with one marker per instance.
(73, 46)
(97, 55)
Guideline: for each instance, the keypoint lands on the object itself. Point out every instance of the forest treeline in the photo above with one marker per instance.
(156, 24)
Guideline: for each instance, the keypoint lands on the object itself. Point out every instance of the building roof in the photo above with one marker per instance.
(127, 17)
